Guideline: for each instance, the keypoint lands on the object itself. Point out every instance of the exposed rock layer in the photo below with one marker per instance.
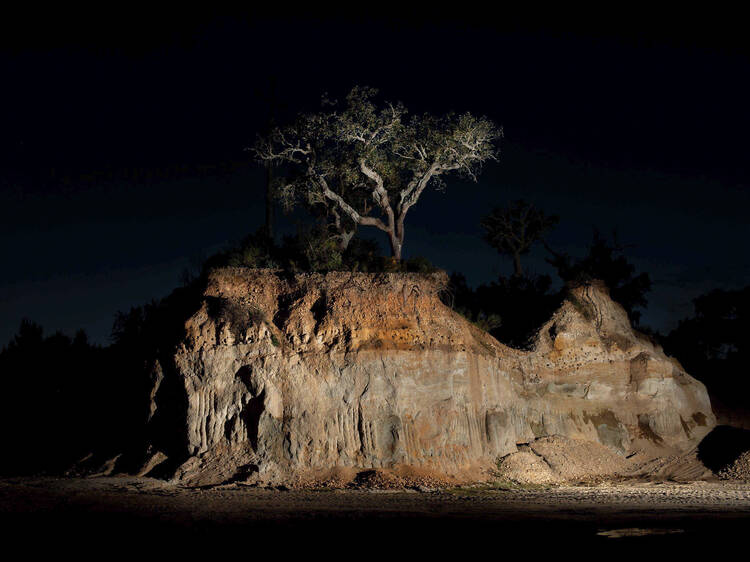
(287, 378)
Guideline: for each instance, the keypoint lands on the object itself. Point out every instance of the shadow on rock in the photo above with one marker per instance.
(722, 446)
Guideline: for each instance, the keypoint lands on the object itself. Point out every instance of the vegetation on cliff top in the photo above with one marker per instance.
(357, 165)
(362, 163)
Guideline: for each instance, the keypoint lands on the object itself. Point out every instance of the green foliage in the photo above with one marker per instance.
(323, 255)
(250, 256)
(363, 163)
(253, 251)
(312, 249)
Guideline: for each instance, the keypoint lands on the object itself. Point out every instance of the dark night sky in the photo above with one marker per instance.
(122, 144)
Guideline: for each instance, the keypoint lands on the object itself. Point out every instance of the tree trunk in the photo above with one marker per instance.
(396, 245)
(269, 203)
(397, 237)
(344, 239)
(518, 270)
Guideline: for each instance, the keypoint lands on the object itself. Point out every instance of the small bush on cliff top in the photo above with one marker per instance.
(252, 251)
(311, 249)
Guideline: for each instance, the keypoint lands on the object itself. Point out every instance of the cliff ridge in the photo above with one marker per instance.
(294, 378)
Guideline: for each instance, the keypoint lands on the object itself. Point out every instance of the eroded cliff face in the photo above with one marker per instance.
(289, 378)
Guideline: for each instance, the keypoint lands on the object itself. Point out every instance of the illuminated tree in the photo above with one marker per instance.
(368, 165)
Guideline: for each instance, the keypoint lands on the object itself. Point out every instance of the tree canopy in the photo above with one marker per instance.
(366, 164)
(514, 229)
(713, 344)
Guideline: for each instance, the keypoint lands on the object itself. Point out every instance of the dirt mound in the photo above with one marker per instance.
(572, 459)
(525, 467)
(559, 459)
(682, 467)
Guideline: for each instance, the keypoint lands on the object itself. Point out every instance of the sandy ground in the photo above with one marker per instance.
(89, 517)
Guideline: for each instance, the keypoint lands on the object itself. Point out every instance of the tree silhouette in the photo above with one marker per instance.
(56, 404)
(713, 344)
(269, 97)
(511, 309)
(606, 262)
(514, 229)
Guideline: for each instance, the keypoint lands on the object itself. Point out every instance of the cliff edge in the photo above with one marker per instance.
(296, 378)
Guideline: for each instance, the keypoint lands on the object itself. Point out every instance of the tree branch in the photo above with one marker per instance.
(379, 192)
(348, 209)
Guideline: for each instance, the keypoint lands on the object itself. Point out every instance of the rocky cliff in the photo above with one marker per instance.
(291, 378)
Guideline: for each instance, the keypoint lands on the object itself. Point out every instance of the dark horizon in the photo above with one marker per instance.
(123, 147)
